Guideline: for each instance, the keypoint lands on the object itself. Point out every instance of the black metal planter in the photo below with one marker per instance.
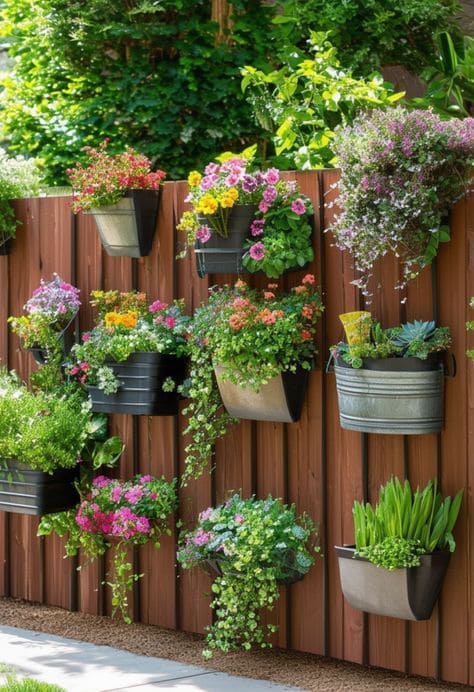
(409, 593)
(5, 247)
(224, 255)
(280, 400)
(33, 492)
(391, 395)
(127, 228)
(141, 393)
(66, 339)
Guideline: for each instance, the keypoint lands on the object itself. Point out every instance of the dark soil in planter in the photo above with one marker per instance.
(308, 671)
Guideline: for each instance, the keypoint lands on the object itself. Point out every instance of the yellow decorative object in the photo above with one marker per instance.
(356, 326)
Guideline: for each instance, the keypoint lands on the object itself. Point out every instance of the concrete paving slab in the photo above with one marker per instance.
(83, 667)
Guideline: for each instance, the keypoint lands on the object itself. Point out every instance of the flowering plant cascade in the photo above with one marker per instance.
(117, 514)
(104, 179)
(401, 171)
(126, 325)
(256, 335)
(280, 234)
(254, 544)
(50, 309)
(19, 177)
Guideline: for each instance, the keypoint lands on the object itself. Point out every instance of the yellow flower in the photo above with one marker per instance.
(207, 205)
(233, 193)
(187, 222)
(194, 178)
(226, 201)
(117, 319)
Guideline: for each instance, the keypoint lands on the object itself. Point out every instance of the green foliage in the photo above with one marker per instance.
(300, 104)
(369, 34)
(411, 340)
(404, 524)
(151, 75)
(19, 177)
(42, 431)
(255, 544)
(470, 326)
(450, 90)
(254, 335)
(13, 684)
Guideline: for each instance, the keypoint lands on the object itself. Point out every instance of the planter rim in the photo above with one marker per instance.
(348, 551)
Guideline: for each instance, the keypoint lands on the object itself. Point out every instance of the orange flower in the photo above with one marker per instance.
(236, 322)
(117, 319)
(300, 289)
(307, 311)
(272, 286)
(266, 316)
(305, 335)
(241, 285)
(268, 295)
(308, 279)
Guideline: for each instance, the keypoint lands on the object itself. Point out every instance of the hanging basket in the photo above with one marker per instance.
(213, 568)
(391, 395)
(409, 593)
(224, 255)
(127, 228)
(33, 492)
(280, 400)
(141, 393)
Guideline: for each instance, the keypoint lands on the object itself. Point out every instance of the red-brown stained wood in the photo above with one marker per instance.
(290, 461)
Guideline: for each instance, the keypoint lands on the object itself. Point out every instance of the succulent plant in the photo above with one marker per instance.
(414, 331)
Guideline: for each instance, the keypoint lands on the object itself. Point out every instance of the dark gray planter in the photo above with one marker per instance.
(213, 568)
(280, 400)
(127, 228)
(141, 390)
(33, 492)
(409, 593)
(66, 339)
(5, 247)
(392, 396)
(224, 255)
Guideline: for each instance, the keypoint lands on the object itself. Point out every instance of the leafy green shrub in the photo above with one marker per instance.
(369, 34)
(299, 105)
(404, 524)
(19, 177)
(151, 75)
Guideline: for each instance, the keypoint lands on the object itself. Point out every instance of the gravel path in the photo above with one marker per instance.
(302, 670)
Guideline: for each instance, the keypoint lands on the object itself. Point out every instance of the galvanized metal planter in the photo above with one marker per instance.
(392, 396)
(224, 255)
(33, 492)
(127, 228)
(280, 400)
(141, 390)
(409, 593)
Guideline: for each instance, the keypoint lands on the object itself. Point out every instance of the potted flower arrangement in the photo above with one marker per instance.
(401, 552)
(133, 360)
(251, 546)
(250, 350)
(249, 219)
(50, 310)
(122, 193)
(401, 171)
(43, 437)
(19, 177)
(116, 514)
(390, 380)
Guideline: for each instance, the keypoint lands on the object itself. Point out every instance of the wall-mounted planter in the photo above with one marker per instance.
(5, 247)
(280, 400)
(33, 492)
(127, 228)
(213, 569)
(391, 395)
(66, 339)
(224, 255)
(141, 392)
(409, 593)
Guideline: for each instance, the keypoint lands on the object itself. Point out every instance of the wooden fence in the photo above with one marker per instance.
(313, 462)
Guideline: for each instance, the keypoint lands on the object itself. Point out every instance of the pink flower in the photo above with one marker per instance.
(170, 322)
(308, 279)
(239, 519)
(146, 478)
(101, 481)
(157, 306)
(133, 495)
(232, 179)
(205, 514)
(270, 194)
(272, 176)
(203, 234)
(256, 227)
(263, 207)
(257, 251)
(298, 206)
(116, 493)
(86, 336)
(202, 537)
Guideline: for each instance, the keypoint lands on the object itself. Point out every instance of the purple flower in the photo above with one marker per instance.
(205, 514)
(239, 519)
(256, 227)
(249, 183)
(134, 494)
(101, 481)
(202, 537)
(208, 181)
(55, 299)
(270, 195)
(272, 176)
(143, 525)
(232, 179)
(257, 251)
(203, 234)
(407, 146)
(116, 493)
(211, 169)
(298, 206)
